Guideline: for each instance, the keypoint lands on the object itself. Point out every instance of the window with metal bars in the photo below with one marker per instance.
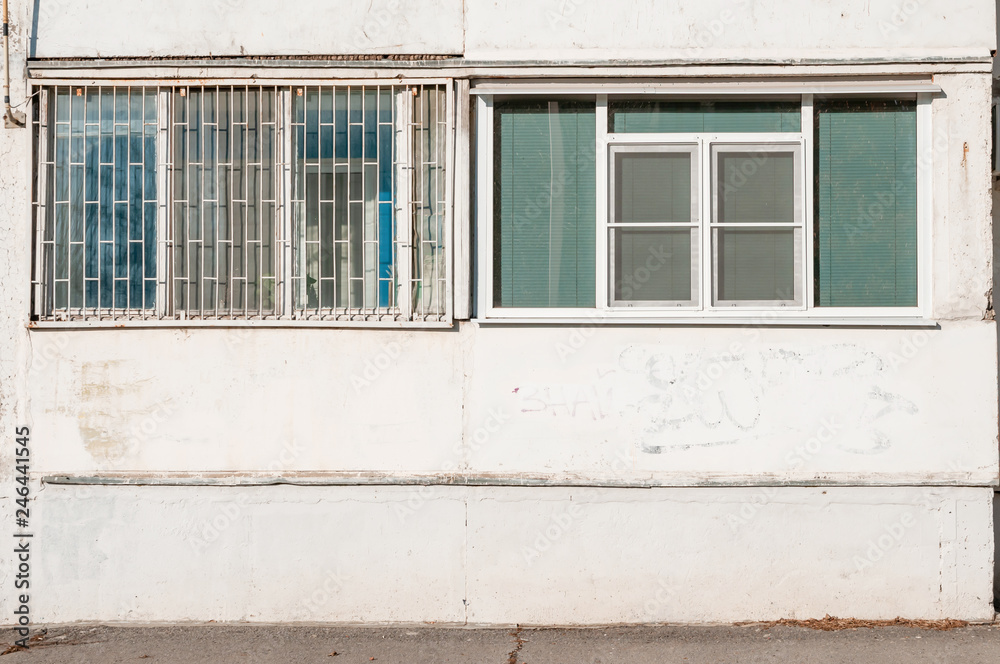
(215, 203)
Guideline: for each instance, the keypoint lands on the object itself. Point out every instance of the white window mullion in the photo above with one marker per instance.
(925, 184)
(484, 205)
(603, 197)
(807, 199)
(707, 215)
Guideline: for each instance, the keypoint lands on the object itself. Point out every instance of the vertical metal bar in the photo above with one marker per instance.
(246, 221)
(286, 196)
(404, 209)
(180, 168)
(128, 203)
(42, 290)
(317, 200)
(419, 189)
(142, 206)
(163, 217)
(445, 288)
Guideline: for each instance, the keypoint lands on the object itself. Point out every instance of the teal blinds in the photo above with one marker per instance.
(544, 204)
(866, 203)
(696, 117)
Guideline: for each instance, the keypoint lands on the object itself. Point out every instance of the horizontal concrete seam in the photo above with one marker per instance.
(451, 62)
(467, 481)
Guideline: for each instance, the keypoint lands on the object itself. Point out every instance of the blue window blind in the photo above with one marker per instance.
(544, 204)
(866, 203)
(704, 116)
(102, 197)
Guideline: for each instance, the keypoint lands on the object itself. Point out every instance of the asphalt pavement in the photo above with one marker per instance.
(295, 644)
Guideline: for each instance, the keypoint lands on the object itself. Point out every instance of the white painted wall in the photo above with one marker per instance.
(146, 28)
(758, 30)
(728, 30)
(676, 405)
(500, 556)
(901, 406)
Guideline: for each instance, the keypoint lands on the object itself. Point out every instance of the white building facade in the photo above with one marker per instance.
(555, 312)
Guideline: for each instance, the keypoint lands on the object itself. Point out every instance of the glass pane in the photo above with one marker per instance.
(866, 203)
(545, 204)
(755, 264)
(756, 187)
(653, 187)
(652, 265)
(631, 116)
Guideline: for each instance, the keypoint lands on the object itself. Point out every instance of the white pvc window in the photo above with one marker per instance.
(726, 215)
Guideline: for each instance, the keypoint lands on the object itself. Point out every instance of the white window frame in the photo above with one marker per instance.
(694, 149)
(803, 312)
(713, 147)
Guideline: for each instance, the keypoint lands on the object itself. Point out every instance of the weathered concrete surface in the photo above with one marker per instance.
(145, 28)
(501, 555)
(741, 30)
(748, 644)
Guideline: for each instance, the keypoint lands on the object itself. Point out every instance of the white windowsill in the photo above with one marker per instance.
(703, 321)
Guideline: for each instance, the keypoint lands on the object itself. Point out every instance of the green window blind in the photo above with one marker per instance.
(545, 211)
(697, 117)
(866, 203)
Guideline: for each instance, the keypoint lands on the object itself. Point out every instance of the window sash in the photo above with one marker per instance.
(797, 225)
(694, 226)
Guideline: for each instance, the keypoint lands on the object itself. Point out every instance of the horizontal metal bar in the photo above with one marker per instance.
(705, 480)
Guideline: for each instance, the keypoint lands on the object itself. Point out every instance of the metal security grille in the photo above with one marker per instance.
(239, 202)
(225, 183)
(429, 280)
(96, 202)
(368, 202)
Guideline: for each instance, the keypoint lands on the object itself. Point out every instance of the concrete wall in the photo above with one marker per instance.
(518, 29)
(674, 405)
(500, 556)
(704, 411)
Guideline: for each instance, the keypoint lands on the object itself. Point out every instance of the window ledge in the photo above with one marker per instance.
(277, 324)
(730, 321)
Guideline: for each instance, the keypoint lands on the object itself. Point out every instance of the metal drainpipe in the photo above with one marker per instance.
(11, 118)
